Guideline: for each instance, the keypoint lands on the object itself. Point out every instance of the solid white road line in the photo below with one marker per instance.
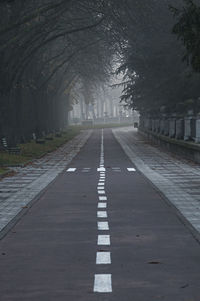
(103, 283)
(103, 240)
(71, 169)
(102, 214)
(131, 169)
(102, 198)
(102, 205)
(103, 258)
(103, 226)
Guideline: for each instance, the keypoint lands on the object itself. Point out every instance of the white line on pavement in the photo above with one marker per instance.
(101, 191)
(103, 283)
(102, 198)
(102, 205)
(71, 169)
(103, 226)
(102, 214)
(103, 258)
(101, 169)
(131, 169)
(103, 240)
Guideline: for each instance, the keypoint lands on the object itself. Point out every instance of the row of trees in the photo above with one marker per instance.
(161, 71)
(50, 49)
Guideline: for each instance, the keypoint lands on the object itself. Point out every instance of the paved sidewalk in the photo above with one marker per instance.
(177, 179)
(17, 191)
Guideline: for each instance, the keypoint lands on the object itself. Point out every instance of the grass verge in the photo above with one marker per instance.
(3, 171)
(33, 150)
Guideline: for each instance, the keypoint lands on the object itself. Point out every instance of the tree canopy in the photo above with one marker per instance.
(49, 48)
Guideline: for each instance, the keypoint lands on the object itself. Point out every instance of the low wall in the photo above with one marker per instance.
(188, 150)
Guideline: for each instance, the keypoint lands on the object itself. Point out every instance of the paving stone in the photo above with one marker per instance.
(20, 189)
(174, 177)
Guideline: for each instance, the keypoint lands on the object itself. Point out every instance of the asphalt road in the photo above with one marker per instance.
(98, 235)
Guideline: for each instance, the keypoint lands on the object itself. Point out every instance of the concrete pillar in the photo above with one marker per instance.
(153, 125)
(150, 124)
(179, 129)
(157, 126)
(166, 127)
(146, 123)
(162, 126)
(197, 138)
(193, 128)
(172, 127)
(187, 128)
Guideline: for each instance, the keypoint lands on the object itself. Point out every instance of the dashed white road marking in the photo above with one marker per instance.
(102, 198)
(101, 169)
(100, 187)
(131, 169)
(102, 205)
(103, 258)
(71, 169)
(102, 214)
(103, 240)
(103, 226)
(101, 191)
(103, 283)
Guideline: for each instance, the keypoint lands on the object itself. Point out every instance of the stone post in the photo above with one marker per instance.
(162, 126)
(172, 127)
(153, 125)
(179, 129)
(187, 128)
(157, 124)
(193, 128)
(197, 138)
(166, 127)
